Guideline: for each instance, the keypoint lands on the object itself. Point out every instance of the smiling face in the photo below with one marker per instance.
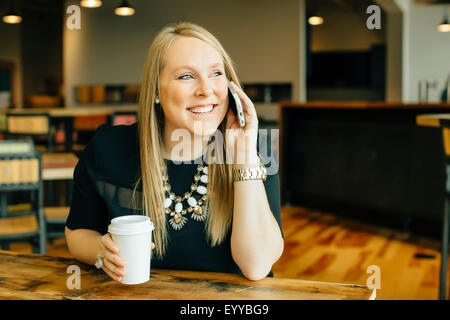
(193, 87)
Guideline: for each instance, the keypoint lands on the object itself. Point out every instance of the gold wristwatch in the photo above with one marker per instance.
(256, 173)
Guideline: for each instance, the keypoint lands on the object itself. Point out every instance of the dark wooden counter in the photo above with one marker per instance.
(364, 160)
(24, 276)
(362, 105)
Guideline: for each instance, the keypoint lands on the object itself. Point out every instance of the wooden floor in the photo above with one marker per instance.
(324, 247)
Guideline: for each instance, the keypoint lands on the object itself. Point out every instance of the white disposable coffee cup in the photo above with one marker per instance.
(133, 236)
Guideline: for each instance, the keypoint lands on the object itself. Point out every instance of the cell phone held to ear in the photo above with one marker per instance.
(236, 105)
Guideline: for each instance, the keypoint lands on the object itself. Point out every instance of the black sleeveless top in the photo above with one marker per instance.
(104, 180)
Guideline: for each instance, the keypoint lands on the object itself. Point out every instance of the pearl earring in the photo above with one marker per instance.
(157, 100)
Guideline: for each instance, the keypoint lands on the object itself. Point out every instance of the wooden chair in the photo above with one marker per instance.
(58, 166)
(2, 125)
(20, 170)
(55, 166)
(32, 125)
(55, 217)
(36, 125)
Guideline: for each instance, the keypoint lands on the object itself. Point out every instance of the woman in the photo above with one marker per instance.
(204, 218)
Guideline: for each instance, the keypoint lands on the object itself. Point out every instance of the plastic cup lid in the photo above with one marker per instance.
(132, 224)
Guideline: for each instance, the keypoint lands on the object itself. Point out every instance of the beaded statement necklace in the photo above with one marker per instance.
(193, 201)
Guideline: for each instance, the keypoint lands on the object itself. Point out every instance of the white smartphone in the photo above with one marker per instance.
(236, 105)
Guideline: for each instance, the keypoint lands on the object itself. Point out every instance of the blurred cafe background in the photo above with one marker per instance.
(354, 94)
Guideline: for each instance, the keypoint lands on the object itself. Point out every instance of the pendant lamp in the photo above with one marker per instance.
(12, 16)
(91, 3)
(124, 9)
(444, 26)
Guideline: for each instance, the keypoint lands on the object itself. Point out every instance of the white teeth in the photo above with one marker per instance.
(202, 110)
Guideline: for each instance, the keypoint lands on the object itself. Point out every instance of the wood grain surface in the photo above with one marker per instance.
(322, 246)
(28, 276)
(74, 111)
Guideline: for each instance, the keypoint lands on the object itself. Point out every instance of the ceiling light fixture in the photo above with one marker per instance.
(91, 3)
(314, 18)
(12, 17)
(444, 26)
(124, 9)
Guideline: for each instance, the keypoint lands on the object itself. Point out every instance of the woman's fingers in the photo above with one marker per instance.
(247, 104)
(109, 244)
(114, 259)
(118, 270)
(110, 273)
(231, 118)
(113, 264)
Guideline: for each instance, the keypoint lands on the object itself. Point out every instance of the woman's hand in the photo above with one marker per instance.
(113, 264)
(242, 142)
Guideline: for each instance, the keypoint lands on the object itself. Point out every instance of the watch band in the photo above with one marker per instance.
(256, 173)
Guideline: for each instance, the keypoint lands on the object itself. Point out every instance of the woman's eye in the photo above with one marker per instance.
(188, 76)
(184, 77)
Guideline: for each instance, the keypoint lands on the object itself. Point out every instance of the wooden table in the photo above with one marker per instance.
(27, 276)
(442, 121)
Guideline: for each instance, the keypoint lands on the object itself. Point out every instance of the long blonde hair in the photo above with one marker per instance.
(150, 126)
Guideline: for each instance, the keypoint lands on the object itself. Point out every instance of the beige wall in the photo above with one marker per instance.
(429, 50)
(425, 53)
(262, 37)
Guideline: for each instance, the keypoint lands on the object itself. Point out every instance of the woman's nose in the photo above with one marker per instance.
(204, 88)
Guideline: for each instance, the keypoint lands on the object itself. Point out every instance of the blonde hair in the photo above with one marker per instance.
(150, 127)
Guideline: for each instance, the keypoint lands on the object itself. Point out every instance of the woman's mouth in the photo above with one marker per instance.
(203, 110)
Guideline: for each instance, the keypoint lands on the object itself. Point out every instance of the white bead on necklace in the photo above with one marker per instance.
(194, 200)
